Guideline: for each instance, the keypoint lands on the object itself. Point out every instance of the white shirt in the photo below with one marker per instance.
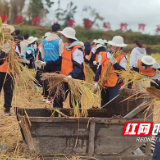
(77, 56)
(93, 50)
(136, 54)
(23, 46)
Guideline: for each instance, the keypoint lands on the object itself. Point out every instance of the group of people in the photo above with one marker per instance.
(67, 55)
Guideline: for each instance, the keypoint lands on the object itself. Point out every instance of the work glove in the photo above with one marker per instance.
(26, 61)
(95, 87)
(94, 63)
(39, 64)
(67, 78)
(113, 60)
(87, 56)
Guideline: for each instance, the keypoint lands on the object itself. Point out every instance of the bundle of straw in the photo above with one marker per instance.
(89, 74)
(82, 95)
(108, 69)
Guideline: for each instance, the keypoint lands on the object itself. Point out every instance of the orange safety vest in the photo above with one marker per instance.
(90, 54)
(112, 76)
(4, 67)
(149, 71)
(67, 63)
(37, 57)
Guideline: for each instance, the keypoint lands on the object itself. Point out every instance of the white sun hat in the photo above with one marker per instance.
(100, 41)
(82, 44)
(95, 41)
(31, 39)
(98, 46)
(105, 41)
(46, 34)
(117, 41)
(12, 29)
(69, 32)
(148, 60)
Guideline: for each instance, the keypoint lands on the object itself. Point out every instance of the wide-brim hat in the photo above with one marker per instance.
(117, 41)
(46, 34)
(69, 32)
(82, 44)
(100, 41)
(148, 60)
(105, 41)
(98, 46)
(12, 29)
(95, 41)
(32, 39)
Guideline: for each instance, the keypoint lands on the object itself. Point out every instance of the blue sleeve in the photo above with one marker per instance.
(54, 63)
(118, 67)
(77, 70)
(135, 69)
(98, 73)
(157, 86)
(87, 48)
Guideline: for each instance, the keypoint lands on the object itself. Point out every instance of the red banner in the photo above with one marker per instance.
(123, 26)
(158, 29)
(106, 25)
(87, 23)
(70, 22)
(4, 18)
(141, 27)
(36, 20)
(19, 19)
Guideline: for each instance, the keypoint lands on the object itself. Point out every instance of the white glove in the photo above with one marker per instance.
(87, 56)
(39, 64)
(96, 86)
(26, 61)
(113, 60)
(67, 78)
(94, 63)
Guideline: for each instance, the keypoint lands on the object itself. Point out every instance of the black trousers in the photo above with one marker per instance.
(109, 93)
(62, 95)
(49, 69)
(6, 83)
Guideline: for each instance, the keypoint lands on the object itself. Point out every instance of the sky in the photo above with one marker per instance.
(115, 12)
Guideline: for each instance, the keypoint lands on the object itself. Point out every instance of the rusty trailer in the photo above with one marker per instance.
(98, 136)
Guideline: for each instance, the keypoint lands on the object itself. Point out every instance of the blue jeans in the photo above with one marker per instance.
(156, 154)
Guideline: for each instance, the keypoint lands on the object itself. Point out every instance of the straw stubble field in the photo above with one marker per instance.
(9, 127)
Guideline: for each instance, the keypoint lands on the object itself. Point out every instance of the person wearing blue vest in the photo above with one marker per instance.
(52, 48)
(29, 56)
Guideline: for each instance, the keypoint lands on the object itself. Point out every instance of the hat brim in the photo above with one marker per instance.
(11, 28)
(143, 59)
(68, 36)
(33, 40)
(117, 45)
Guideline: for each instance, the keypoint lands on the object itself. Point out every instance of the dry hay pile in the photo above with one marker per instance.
(82, 95)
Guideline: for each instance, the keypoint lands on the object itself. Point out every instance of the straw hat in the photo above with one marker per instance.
(82, 44)
(69, 33)
(98, 46)
(117, 41)
(94, 41)
(100, 41)
(148, 60)
(31, 39)
(46, 34)
(12, 29)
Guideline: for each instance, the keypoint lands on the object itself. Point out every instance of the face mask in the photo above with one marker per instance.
(35, 46)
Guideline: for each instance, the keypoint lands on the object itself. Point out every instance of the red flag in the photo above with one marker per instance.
(4, 18)
(87, 23)
(158, 28)
(123, 26)
(36, 20)
(141, 27)
(19, 19)
(106, 25)
(70, 22)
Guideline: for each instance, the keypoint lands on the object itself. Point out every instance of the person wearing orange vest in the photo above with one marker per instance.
(112, 84)
(147, 67)
(6, 81)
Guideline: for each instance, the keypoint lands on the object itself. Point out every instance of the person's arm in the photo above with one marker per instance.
(132, 58)
(61, 47)
(98, 71)
(77, 58)
(156, 66)
(122, 65)
(157, 86)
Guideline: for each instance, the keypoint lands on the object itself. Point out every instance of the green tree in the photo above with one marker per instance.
(65, 14)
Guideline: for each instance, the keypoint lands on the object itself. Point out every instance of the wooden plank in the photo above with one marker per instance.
(59, 129)
(135, 111)
(91, 139)
(27, 135)
(81, 120)
(60, 145)
(148, 149)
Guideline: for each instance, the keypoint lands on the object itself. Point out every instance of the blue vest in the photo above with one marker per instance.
(33, 52)
(51, 50)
